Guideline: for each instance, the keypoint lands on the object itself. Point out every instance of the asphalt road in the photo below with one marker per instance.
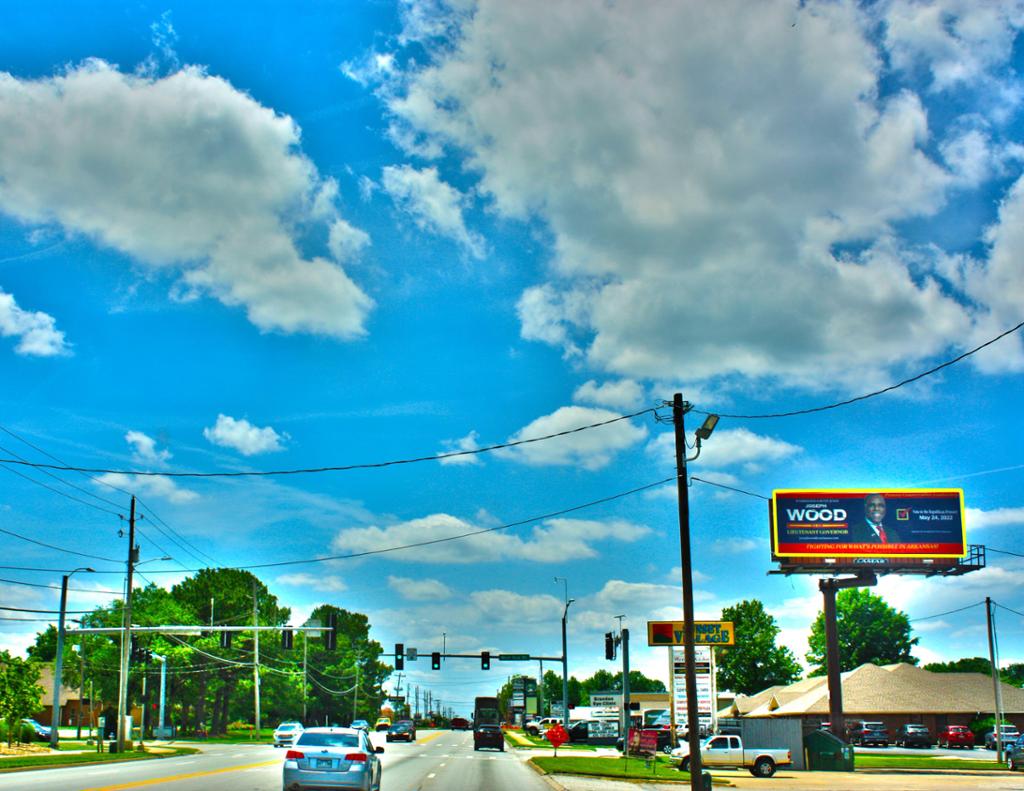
(438, 760)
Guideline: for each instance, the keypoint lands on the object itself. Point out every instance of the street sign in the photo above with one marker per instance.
(705, 633)
(398, 698)
(411, 654)
(514, 657)
(557, 736)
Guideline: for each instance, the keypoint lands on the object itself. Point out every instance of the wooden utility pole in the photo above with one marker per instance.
(126, 635)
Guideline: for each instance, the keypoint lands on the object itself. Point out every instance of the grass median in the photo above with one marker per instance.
(56, 759)
(632, 769)
(925, 762)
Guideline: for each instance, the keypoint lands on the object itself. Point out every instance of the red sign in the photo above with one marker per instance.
(648, 742)
(557, 736)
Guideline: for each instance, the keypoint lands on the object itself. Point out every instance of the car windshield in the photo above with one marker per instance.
(286, 727)
(328, 740)
(916, 728)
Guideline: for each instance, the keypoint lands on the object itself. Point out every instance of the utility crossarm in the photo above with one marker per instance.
(191, 629)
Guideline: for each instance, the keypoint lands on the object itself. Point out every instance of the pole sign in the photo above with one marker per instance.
(513, 657)
(704, 668)
(705, 633)
(858, 527)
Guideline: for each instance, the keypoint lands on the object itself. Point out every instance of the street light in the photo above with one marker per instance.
(565, 655)
(59, 661)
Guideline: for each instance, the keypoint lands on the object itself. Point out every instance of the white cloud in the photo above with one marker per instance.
(329, 583)
(420, 590)
(591, 449)
(144, 448)
(185, 174)
(434, 205)
(243, 436)
(549, 542)
(663, 139)
(36, 331)
(345, 241)
(150, 485)
(621, 394)
(468, 442)
(977, 519)
(732, 546)
(728, 448)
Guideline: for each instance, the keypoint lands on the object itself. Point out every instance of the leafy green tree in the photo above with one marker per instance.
(19, 692)
(553, 690)
(869, 631)
(45, 647)
(755, 662)
(974, 664)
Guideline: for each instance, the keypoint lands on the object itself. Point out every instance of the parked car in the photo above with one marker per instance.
(362, 725)
(460, 724)
(41, 731)
(1009, 734)
(286, 734)
(333, 758)
(383, 723)
(537, 727)
(1015, 755)
(913, 735)
(402, 731)
(864, 733)
(729, 751)
(956, 736)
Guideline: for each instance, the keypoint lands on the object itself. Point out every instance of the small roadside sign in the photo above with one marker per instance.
(705, 633)
(411, 654)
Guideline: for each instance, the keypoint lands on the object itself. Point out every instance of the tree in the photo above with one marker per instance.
(975, 664)
(45, 647)
(869, 631)
(19, 693)
(755, 662)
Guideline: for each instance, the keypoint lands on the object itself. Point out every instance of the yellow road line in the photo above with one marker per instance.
(174, 778)
(429, 737)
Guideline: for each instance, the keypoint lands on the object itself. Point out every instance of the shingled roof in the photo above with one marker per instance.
(886, 689)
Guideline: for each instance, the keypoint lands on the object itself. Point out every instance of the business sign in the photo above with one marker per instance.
(891, 526)
(608, 700)
(705, 633)
(704, 670)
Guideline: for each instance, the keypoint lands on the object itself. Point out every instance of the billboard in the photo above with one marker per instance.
(705, 633)
(868, 525)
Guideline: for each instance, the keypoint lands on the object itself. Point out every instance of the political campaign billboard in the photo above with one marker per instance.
(849, 525)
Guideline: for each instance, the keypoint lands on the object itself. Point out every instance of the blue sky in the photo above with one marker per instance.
(255, 238)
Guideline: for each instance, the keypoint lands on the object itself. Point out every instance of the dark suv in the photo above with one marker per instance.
(913, 735)
(1015, 755)
(866, 734)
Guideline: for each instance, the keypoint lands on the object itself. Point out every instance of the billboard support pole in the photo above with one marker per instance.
(828, 588)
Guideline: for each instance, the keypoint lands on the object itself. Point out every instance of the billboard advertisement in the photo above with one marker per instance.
(893, 525)
(705, 633)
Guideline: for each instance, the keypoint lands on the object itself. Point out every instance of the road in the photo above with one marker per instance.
(438, 760)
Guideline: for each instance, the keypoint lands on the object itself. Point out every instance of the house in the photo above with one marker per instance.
(894, 694)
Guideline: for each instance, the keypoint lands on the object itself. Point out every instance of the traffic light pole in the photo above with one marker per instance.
(126, 635)
(256, 655)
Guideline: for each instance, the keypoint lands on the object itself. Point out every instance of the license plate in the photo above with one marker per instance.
(323, 763)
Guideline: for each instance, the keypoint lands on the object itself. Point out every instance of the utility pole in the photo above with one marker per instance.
(540, 690)
(256, 654)
(625, 686)
(995, 681)
(81, 688)
(679, 408)
(126, 634)
(355, 690)
(417, 709)
(305, 677)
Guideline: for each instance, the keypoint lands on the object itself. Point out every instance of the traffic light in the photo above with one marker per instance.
(435, 660)
(225, 639)
(332, 631)
(287, 639)
(399, 656)
(609, 645)
(485, 660)
(133, 651)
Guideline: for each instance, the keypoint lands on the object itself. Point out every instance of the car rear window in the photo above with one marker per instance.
(328, 740)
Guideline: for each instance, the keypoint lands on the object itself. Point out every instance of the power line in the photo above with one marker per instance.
(86, 492)
(58, 587)
(1003, 552)
(55, 612)
(1010, 609)
(54, 546)
(337, 468)
(730, 488)
(866, 396)
(948, 612)
(52, 489)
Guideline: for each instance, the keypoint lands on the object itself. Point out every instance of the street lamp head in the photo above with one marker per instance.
(90, 569)
(709, 425)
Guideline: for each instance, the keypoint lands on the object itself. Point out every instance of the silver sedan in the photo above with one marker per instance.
(332, 758)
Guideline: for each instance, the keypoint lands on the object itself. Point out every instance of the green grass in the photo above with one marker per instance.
(39, 761)
(540, 742)
(265, 736)
(923, 762)
(634, 768)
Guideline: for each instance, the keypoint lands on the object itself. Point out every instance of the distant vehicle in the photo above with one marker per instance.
(41, 731)
(332, 758)
(1009, 734)
(286, 733)
(956, 736)
(913, 735)
(402, 731)
(1015, 755)
(383, 723)
(729, 751)
(362, 725)
(460, 724)
(537, 727)
(864, 733)
(487, 724)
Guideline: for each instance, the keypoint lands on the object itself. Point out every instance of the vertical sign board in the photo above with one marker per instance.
(706, 692)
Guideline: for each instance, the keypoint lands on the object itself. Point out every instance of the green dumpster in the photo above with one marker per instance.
(827, 753)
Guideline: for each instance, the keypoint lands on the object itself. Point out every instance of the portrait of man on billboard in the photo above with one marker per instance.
(872, 528)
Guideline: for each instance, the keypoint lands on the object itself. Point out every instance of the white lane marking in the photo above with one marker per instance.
(431, 776)
(441, 764)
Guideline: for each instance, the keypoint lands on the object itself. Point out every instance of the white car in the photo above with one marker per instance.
(287, 733)
(325, 758)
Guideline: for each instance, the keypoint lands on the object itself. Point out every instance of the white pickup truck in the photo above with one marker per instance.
(729, 751)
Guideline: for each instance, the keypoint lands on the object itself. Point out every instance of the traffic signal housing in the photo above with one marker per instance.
(485, 660)
(399, 656)
(609, 645)
(435, 660)
(332, 631)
